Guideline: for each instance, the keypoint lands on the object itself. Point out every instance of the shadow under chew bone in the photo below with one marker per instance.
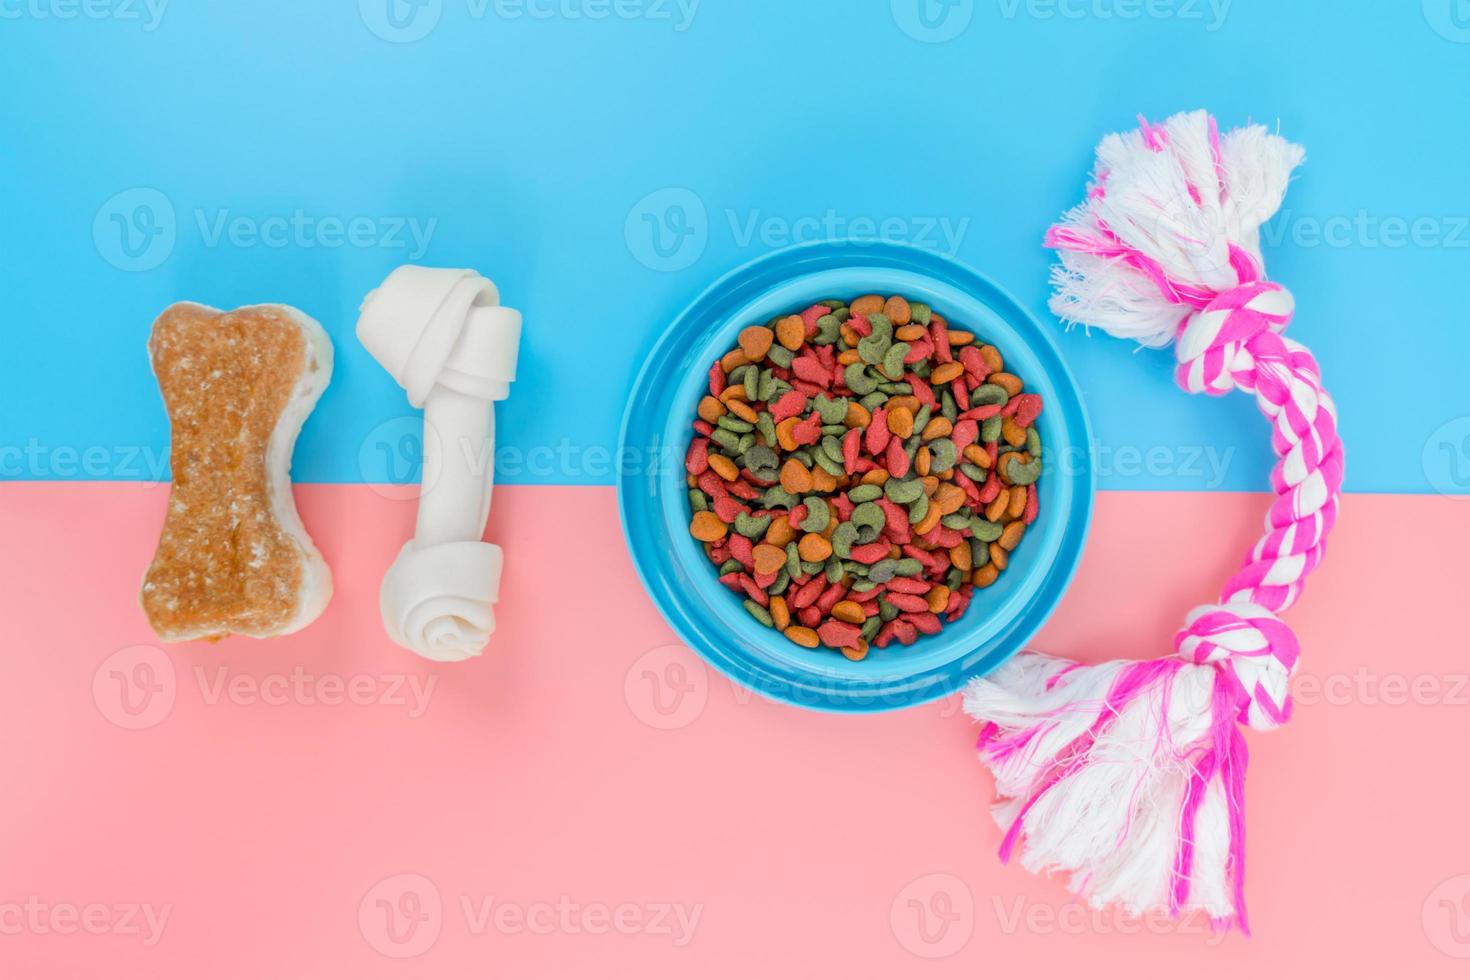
(233, 556)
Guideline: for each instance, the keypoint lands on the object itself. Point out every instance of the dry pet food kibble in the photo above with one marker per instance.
(859, 469)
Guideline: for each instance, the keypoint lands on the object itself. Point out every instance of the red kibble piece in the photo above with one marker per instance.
(905, 631)
(966, 433)
(742, 550)
(808, 432)
(809, 368)
(811, 315)
(712, 485)
(925, 558)
(789, 405)
(851, 446)
(703, 427)
(732, 582)
(922, 391)
(717, 380)
(861, 324)
(864, 597)
(961, 394)
(1033, 506)
(991, 490)
(876, 438)
(870, 553)
(865, 465)
(976, 370)
(808, 593)
(719, 554)
(897, 461)
(1028, 409)
(884, 637)
(908, 603)
(1010, 408)
(921, 350)
(870, 607)
(806, 387)
(728, 508)
(797, 515)
(939, 335)
(809, 617)
(925, 622)
(843, 506)
(835, 633)
(981, 412)
(896, 522)
(909, 586)
(831, 597)
(765, 581)
(743, 490)
(696, 460)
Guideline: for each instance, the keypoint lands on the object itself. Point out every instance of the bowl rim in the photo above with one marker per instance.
(895, 691)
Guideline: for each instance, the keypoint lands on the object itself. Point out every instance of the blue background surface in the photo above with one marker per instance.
(604, 169)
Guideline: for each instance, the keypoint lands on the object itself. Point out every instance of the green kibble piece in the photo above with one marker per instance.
(893, 360)
(921, 417)
(990, 430)
(862, 585)
(857, 378)
(887, 611)
(903, 492)
(763, 462)
(955, 579)
(872, 401)
(834, 430)
(765, 424)
(812, 567)
(943, 455)
(733, 424)
(883, 572)
(873, 348)
(909, 567)
(750, 526)
(955, 521)
(725, 438)
(746, 441)
(731, 565)
(806, 458)
(869, 516)
(947, 405)
(988, 395)
(793, 559)
(817, 515)
(896, 388)
(919, 509)
(1033, 441)
(844, 538)
(780, 356)
(759, 612)
(979, 554)
(986, 531)
(747, 376)
(882, 326)
(1023, 474)
(864, 492)
(829, 328)
(767, 388)
(778, 496)
(843, 313)
(834, 569)
(832, 446)
(920, 313)
(973, 472)
(871, 627)
(698, 502)
(783, 579)
(830, 464)
(832, 410)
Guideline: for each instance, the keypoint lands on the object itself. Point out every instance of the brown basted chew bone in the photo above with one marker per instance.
(233, 556)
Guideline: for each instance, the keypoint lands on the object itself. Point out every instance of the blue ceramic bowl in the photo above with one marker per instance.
(654, 503)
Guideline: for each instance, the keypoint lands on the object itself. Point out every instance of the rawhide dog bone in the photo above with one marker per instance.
(448, 342)
(233, 557)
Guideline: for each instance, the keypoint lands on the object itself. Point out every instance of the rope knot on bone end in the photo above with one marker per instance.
(444, 337)
(1129, 776)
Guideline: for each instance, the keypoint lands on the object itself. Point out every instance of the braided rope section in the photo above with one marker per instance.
(1129, 775)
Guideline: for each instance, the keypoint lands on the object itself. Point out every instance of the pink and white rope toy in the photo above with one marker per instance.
(1130, 775)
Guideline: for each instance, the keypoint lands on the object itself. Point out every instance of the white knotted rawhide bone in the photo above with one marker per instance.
(446, 339)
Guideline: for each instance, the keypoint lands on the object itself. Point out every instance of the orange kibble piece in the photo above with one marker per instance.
(948, 499)
(814, 547)
(780, 533)
(864, 305)
(876, 477)
(897, 310)
(707, 527)
(784, 437)
(1011, 432)
(985, 577)
(791, 332)
(960, 556)
(858, 652)
(724, 466)
(959, 338)
(769, 559)
(978, 456)
(901, 421)
(822, 481)
(997, 506)
(911, 333)
(711, 409)
(1009, 382)
(923, 459)
(780, 612)
(992, 358)
(734, 393)
(734, 359)
(909, 402)
(938, 598)
(849, 357)
(1017, 505)
(999, 557)
(857, 416)
(849, 612)
(795, 478)
(938, 428)
(931, 517)
(945, 373)
(802, 636)
(1012, 535)
(755, 343)
(742, 410)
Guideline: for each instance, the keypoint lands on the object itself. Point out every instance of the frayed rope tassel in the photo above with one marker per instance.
(1130, 776)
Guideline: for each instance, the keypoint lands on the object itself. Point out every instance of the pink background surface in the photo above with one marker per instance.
(552, 808)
